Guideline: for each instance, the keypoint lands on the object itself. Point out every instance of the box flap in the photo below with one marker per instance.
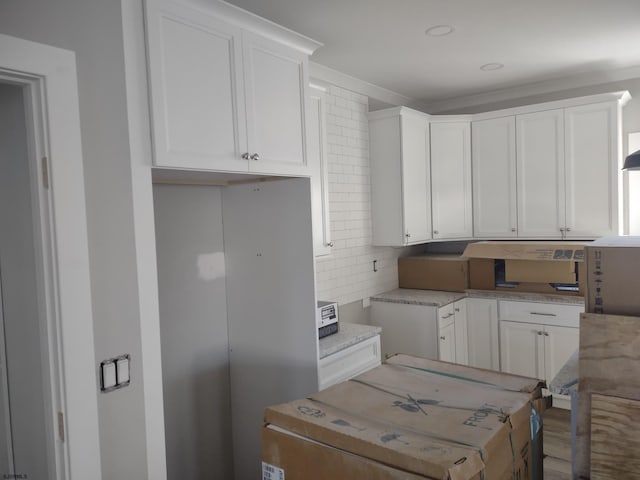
(621, 241)
(507, 381)
(556, 251)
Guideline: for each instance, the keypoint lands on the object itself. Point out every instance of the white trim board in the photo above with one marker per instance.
(49, 77)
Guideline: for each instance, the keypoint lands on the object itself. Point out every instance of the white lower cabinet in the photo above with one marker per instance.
(483, 342)
(349, 362)
(452, 332)
(536, 339)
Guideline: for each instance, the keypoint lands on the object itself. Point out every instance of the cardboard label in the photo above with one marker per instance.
(271, 472)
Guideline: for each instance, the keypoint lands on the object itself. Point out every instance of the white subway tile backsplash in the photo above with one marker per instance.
(347, 274)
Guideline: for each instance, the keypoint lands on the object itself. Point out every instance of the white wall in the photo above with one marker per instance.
(93, 29)
(347, 274)
(194, 332)
(19, 302)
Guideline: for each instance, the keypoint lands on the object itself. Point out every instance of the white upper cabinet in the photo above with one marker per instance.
(540, 173)
(223, 97)
(275, 87)
(317, 151)
(451, 202)
(400, 183)
(592, 170)
(493, 154)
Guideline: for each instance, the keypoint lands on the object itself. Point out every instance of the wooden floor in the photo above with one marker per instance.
(556, 424)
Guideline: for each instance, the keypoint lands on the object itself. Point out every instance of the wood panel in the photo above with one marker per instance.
(609, 365)
(615, 438)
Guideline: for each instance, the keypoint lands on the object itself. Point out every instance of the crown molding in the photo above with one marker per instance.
(334, 77)
(538, 88)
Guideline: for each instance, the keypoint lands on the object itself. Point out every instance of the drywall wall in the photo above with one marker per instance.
(193, 331)
(93, 29)
(19, 305)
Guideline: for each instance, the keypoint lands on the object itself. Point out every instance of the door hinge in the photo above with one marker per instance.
(45, 172)
(61, 426)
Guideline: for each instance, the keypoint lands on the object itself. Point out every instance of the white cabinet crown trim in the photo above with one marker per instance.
(621, 97)
(249, 21)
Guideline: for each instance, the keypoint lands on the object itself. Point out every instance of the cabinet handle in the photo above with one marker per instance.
(447, 315)
(255, 157)
(245, 156)
(568, 229)
(513, 229)
(457, 309)
(330, 244)
(543, 314)
(443, 338)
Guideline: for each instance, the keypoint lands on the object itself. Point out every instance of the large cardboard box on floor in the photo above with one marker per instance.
(526, 266)
(612, 265)
(410, 418)
(449, 273)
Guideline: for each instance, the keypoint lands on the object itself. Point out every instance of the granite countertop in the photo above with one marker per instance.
(435, 298)
(349, 334)
(432, 298)
(526, 296)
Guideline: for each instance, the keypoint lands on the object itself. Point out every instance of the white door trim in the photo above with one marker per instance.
(48, 76)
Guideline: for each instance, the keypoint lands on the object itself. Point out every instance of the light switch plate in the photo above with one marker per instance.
(115, 373)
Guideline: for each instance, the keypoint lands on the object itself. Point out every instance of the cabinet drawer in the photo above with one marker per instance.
(349, 362)
(446, 316)
(541, 313)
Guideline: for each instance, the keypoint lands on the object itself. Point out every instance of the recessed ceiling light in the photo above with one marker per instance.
(439, 30)
(487, 67)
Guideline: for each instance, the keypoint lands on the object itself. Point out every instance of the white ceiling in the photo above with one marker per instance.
(383, 42)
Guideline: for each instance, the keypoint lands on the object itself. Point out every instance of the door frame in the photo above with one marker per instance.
(48, 78)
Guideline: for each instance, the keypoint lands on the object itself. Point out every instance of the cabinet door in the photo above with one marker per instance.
(461, 335)
(451, 180)
(319, 177)
(494, 178)
(415, 180)
(559, 343)
(197, 101)
(447, 343)
(411, 329)
(522, 349)
(540, 174)
(400, 182)
(482, 333)
(592, 170)
(275, 89)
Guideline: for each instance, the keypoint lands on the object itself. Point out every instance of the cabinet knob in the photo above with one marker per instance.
(457, 309)
(330, 244)
(540, 332)
(513, 229)
(245, 156)
(255, 157)
(408, 235)
(435, 232)
(568, 229)
(561, 229)
(546, 334)
(443, 338)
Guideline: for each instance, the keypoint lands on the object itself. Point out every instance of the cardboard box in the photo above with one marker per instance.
(527, 266)
(448, 273)
(612, 285)
(410, 418)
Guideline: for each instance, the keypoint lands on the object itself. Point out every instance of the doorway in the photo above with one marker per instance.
(23, 396)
